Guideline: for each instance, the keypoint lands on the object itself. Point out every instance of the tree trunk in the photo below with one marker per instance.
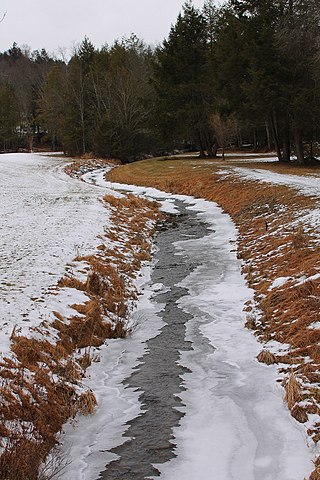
(255, 141)
(201, 146)
(286, 149)
(239, 138)
(286, 146)
(30, 142)
(202, 152)
(215, 149)
(268, 136)
(275, 137)
(202, 149)
(298, 146)
(286, 141)
(210, 147)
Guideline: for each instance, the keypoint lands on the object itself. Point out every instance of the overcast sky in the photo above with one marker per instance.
(52, 24)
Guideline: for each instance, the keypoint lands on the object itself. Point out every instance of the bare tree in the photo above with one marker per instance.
(3, 17)
(225, 129)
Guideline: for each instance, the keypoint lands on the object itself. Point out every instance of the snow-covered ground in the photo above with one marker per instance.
(235, 425)
(47, 218)
(307, 185)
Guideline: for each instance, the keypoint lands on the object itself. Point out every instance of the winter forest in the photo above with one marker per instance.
(244, 73)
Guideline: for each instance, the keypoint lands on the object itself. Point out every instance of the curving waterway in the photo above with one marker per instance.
(182, 398)
(159, 376)
(209, 410)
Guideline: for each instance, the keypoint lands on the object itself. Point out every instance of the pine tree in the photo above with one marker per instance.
(179, 79)
(9, 118)
(298, 40)
(265, 52)
(52, 106)
(79, 124)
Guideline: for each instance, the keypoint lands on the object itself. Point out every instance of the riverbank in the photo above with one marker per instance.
(82, 251)
(277, 217)
(44, 379)
(190, 401)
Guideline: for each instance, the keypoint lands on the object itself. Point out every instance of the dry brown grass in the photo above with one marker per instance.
(315, 475)
(32, 410)
(267, 357)
(21, 461)
(299, 413)
(87, 403)
(293, 392)
(250, 322)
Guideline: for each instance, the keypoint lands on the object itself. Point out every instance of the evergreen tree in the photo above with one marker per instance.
(298, 40)
(79, 116)
(266, 49)
(249, 67)
(52, 105)
(9, 119)
(180, 81)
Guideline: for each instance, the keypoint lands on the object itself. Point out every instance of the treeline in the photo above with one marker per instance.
(244, 73)
(22, 76)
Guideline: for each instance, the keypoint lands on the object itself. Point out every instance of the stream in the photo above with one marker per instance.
(183, 397)
(158, 377)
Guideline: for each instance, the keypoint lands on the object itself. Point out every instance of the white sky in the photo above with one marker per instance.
(52, 24)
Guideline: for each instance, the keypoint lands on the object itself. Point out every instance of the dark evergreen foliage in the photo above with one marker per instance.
(181, 81)
(245, 72)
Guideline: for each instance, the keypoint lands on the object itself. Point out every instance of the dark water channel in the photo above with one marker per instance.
(158, 377)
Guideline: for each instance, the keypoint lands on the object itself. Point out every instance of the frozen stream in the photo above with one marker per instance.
(158, 377)
(187, 377)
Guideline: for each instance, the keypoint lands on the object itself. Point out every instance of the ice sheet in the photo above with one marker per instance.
(236, 425)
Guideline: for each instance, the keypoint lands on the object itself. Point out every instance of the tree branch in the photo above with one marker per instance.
(3, 17)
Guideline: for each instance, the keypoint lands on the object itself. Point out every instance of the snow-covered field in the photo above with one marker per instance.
(47, 218)
(307, 185)
(236, 425)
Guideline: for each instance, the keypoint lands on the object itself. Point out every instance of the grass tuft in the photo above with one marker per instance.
(87, 403)
(293, 392)
(267, 357)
